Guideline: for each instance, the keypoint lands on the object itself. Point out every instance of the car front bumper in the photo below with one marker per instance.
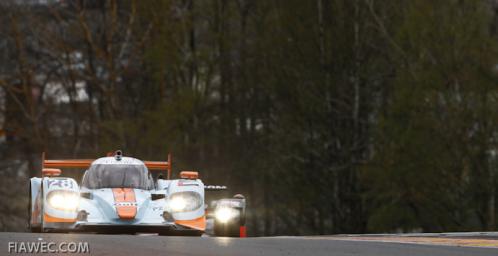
(113, 228)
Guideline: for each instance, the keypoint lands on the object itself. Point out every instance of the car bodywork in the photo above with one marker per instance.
(117, 194)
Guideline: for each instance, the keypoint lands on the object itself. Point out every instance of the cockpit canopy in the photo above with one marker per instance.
(117, 176)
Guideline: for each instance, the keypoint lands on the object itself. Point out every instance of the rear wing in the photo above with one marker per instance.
(85, 163)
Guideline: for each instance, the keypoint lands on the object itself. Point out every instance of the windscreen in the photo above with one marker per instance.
(117, 176)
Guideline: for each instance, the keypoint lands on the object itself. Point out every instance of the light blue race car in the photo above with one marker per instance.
(118, 194)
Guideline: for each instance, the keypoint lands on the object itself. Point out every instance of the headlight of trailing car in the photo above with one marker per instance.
(63, 200)
(226, 214)
(185, 201)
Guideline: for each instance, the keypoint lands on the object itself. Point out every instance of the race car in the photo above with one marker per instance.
(229, 216)
(118, 194)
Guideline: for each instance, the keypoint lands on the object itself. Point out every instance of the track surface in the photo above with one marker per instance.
(310, 246)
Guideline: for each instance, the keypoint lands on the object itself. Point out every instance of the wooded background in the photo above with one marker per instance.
(330, 116)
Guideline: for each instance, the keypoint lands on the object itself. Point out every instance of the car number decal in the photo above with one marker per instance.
(60, 183)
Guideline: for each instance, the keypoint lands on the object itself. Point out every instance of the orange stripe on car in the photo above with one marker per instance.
(48, 218)
(199, 223)
(121, 197)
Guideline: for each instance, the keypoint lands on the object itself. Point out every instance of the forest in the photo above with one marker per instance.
(330, 116)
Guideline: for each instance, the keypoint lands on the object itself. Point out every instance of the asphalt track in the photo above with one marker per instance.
(309, 246)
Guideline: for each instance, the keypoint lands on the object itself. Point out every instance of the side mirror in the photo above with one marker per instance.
(51, 172)
(189, 175)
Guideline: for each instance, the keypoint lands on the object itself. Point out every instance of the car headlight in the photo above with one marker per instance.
(185, 201)
(178, 203)
(63, 200)
(226, 214)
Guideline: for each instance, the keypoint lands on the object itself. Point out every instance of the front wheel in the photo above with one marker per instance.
(35, 229)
